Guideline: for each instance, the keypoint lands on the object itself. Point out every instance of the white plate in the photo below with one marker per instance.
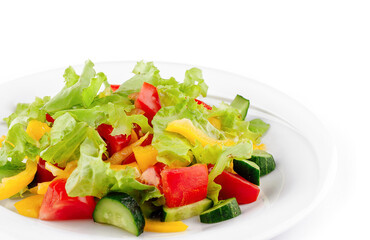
(304, 155)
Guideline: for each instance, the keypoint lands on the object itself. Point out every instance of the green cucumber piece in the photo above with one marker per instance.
(185, 212)
(223, 211)
(264, 160)
(249, 170)
(120, 210)
(242, 104)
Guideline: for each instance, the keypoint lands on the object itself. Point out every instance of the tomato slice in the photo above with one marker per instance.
(152, 175)
(42, 174)
(114, 143)
(186, 185)
(204, 104)
(57, 205)
(114, 87)
(234, 185)
(148, 101)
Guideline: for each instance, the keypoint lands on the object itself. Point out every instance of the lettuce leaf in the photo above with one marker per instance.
(77, 92)
(234, 127)
(194, 85)
(93, 177)
(17, 145)
(174, 149)
(258, 126)
(9, 170)
(123, 124)
(144, 72)
(66, 137)
(25, 112)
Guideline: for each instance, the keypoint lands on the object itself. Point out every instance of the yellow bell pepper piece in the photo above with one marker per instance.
(145, 156)
(124, 166)
(186, 128)
(215, 122)
(2, 140)
(53, 169)
(30, 206)
(260, 147)
(43, 187)
(37, 129)
(156, 226)
(12, 185)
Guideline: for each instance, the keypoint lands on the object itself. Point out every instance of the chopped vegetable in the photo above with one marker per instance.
(12, 185)
(147, 147)
(30, 206)
(164, 227)
(57, 205)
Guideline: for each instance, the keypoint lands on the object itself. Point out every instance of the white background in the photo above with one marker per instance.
(318, 52)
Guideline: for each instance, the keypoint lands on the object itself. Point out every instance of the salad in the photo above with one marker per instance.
(141, 156)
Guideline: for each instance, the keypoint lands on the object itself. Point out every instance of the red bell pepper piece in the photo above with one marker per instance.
(49, 118)
(204, 104)
(234, 185)
(148, 101)
(114, 143)
(57, 205)
(42, 174)
(186, 185)
(114, 87)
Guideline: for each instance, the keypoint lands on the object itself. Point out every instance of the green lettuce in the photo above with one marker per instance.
(258, 126)
(173, 147)
(25, 112)
(194, 85)
(17, 145)
(79, 92)
(93, 177)
(66, 137)
(234, 127)
(9, 170)
(144, 72)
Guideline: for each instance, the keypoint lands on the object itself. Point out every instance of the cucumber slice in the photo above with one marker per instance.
(264, 160)
(223, 211)
(248, 170)
(185, 212)
(120, 210)
(242, 104)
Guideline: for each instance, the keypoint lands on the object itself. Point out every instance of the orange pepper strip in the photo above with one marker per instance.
(156, 226)
(30, 206)
(120, 156)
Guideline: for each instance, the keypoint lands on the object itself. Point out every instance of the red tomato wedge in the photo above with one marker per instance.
(186, 185)
(152, 175)
(204, 104)
(42, 174)
(114, 87)
(57, 205)
(114, 143)
(234, 185)
(148, 101)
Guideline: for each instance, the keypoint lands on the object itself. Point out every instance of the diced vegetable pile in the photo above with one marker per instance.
(142, 156)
